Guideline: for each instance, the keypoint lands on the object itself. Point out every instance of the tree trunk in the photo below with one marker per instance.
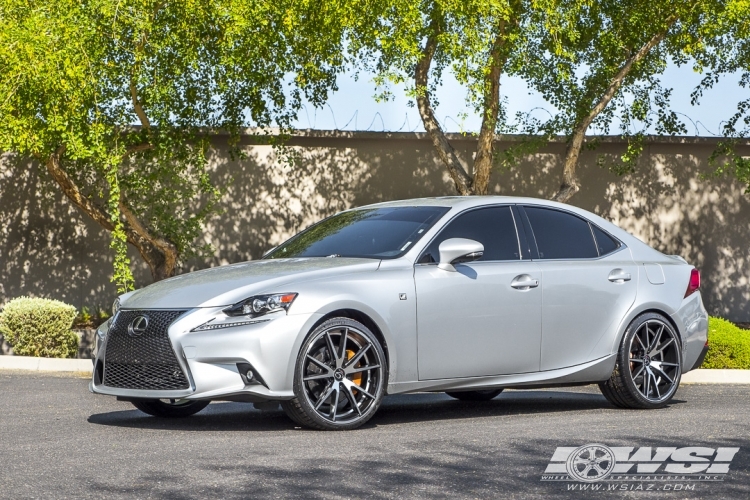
(160, 254)
(569, 185)
(491, 106)
(447, 154)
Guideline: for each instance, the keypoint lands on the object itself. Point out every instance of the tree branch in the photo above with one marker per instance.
(569, 186)
(137, 148)
(73, 193)
(159, 254)
(447, 154)
(137, 105)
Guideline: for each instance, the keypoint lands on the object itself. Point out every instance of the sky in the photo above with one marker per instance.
(353, 106)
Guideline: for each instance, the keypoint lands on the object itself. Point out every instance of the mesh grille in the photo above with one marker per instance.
(146, 361)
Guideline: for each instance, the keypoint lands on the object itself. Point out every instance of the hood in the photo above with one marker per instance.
(227, 285)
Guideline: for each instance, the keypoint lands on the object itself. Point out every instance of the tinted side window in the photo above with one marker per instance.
(560, 235)
(493, 227)
(605, 242)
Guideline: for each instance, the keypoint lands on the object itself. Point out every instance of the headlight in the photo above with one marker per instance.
(259, 305)
(116, 306)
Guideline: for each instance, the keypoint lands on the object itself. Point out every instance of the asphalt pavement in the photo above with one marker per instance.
(59, 441)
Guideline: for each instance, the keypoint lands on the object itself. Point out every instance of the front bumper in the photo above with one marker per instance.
(209, 358)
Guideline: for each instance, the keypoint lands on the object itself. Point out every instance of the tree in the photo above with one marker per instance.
(609, 69)
(117, 100)
(726, 53)
(414, 42)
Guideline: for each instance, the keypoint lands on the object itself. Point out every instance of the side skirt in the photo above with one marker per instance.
(587, 373)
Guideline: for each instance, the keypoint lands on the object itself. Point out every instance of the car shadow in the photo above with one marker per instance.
(395, 410)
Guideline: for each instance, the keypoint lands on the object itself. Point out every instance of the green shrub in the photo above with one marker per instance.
(39, 327)
(728, 345)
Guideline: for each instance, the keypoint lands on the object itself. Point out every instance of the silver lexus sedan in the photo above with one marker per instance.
(462, 295)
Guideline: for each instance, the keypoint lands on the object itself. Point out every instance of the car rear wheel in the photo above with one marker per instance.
(475, 395)
(339, 377)
(647, 372)
(170, 408)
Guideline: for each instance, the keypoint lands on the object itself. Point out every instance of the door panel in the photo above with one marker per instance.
(473, 323)
(583, 301)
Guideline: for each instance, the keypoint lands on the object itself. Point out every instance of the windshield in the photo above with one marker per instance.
(375, 233)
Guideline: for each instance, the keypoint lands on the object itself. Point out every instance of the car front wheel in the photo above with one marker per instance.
(647, 372)
(339, 378)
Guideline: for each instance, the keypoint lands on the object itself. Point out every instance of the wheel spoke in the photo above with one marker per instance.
(660, 349)
(352, 371)
(664, 363)
(648, 342)
(640, 370)
(324, 395)
(657, 338)
(639, 340)
(364, 392)
(647, 382)
(332, 350)
(357, 356)
(317, 377)
(352, 400)
(663, 374)
(335, 404)
(342, 347)
(656, 385)
(319, 363)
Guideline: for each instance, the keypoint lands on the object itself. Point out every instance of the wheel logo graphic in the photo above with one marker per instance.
(592, 462)
(138, 326)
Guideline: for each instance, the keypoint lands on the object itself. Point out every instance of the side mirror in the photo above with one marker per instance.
(458, 250)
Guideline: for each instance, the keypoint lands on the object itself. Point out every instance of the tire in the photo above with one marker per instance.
(339, 378)
(170, 408)
(475, 395)
(648, 367)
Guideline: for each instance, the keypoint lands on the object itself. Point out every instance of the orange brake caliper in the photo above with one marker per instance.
(357, 377)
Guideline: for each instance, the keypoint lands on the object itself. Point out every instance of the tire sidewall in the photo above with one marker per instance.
(299, 388)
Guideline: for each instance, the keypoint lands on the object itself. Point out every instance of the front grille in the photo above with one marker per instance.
(146, 361)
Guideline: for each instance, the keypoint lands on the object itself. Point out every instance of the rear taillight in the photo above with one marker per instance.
(695, 282)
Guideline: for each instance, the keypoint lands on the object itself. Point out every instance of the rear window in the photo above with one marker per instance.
(604, 242)
(560, 235)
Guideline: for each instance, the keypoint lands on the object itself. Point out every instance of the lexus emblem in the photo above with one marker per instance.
(138, 326)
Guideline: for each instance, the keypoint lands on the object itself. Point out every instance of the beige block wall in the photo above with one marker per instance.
(48, 248)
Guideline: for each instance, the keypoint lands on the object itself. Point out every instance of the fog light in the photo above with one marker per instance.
(249, 375)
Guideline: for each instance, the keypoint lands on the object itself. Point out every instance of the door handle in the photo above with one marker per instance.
(524, 282)
(618, 276)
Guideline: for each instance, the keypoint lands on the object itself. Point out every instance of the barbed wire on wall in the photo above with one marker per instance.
(352, 124)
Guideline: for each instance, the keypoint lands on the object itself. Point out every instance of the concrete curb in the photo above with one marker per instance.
(45, 364)
(716, 377)
(85, 365)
